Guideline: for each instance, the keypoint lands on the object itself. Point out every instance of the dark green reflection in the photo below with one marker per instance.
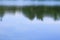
(41, 11)
(12, 9)
(33, 11)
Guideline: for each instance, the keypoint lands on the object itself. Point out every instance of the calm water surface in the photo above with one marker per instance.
(29, 22)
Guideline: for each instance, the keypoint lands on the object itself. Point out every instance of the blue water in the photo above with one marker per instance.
(16, 26)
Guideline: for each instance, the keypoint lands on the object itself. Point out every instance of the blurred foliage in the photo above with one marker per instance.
(34, 11)
(41, 11)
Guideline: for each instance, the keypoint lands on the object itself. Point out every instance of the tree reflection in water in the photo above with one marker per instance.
(33, 11)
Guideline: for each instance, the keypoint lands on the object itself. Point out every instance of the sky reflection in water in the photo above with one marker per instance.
(20, 28)
(30, 23)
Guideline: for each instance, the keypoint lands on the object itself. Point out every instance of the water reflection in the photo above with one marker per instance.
(33, 11)
(19, 26)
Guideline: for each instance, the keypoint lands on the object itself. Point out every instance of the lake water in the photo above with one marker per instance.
(29, 20)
